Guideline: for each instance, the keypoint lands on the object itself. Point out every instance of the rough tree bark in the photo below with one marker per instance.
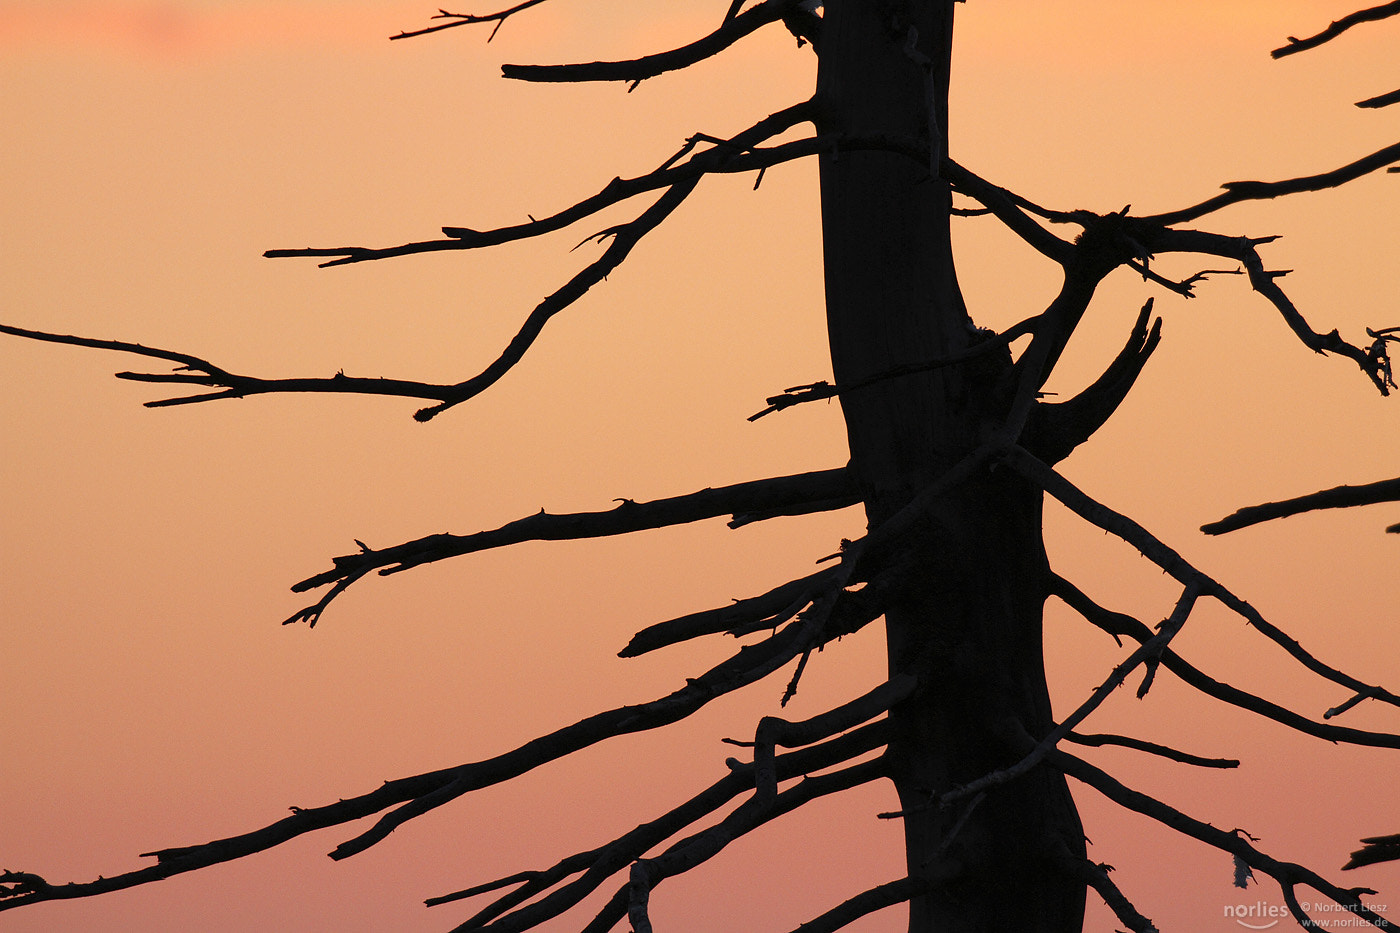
(972, 624)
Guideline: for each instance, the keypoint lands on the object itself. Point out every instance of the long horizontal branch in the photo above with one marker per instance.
(1338, 497)
(629, 516)
(1152, 748)
(1337, 27)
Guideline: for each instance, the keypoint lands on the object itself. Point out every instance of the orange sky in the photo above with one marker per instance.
(153, 150)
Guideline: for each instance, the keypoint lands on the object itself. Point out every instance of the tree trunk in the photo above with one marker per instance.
(970, 627)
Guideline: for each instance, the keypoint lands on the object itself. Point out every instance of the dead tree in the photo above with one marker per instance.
(953, 449)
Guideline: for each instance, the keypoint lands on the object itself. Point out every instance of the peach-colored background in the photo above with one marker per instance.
(152, 150)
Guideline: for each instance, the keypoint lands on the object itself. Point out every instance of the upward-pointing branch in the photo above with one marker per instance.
(1337, 27)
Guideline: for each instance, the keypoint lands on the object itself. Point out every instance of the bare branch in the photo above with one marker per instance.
(1177, 566)
(595, 866)
(817, 391)
(1288, 874)
(1054, 430)
(1337, 27)
(467, 19)
(1118, 623)
(740, 153)
(704, 845)
(629, 516)
(730, 31)
(1151, 748)
(773, 732)
(867, 902)
(1374, 360)
(1237, 191)
(1374, 849)
(1095, 875)
(742, 617)
(1381, 100)
(1338, 497)
(196, 371)
(419, 794)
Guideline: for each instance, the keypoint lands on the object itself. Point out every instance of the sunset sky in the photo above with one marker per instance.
(152, 151)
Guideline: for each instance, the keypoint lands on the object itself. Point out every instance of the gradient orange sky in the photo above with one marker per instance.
(153, 150)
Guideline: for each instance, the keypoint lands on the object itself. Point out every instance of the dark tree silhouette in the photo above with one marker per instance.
(953, 448)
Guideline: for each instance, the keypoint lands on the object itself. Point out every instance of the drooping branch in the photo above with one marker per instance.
(1338, 497)
(1120, 624)
(828, 486)
(1178, 567)
(1288, 875)
(422, 793)
(1374, 360)
(1337, 27)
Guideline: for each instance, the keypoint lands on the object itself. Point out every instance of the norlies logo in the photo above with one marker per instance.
(1324, 915)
